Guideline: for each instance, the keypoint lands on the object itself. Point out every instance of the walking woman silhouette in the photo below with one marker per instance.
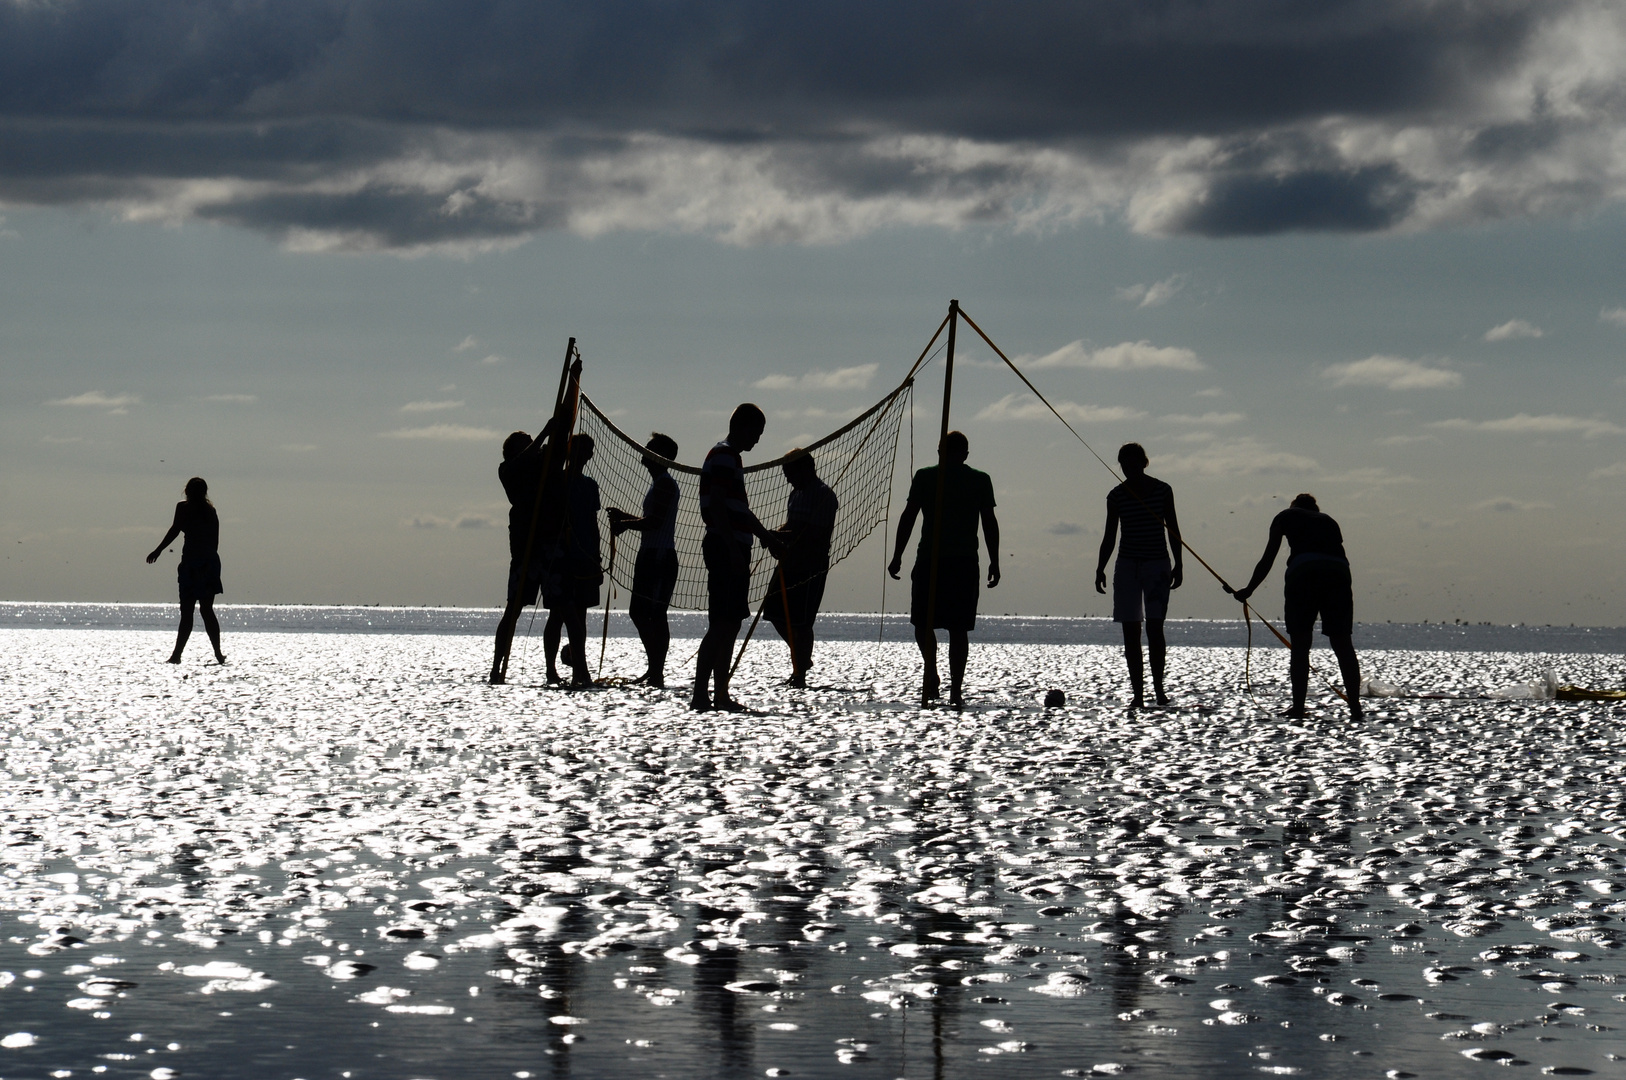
(199, 569)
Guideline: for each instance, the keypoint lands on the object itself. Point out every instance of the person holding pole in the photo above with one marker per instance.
(199, 569)
(951, 498)
(524, 472)
(797, 587)
(655, 573)
(726, 547)
(1317, 581)
(1144, 507)
(571, 580)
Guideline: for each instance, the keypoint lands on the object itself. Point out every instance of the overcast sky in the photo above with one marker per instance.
(326, 254)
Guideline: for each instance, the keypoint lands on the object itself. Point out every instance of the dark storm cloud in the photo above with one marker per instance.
(404, 123)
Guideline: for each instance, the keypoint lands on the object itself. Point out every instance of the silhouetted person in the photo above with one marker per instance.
(968, 498)
(655, 573)
(521, 474)
(199, 571)
(795, 592)
(570, 584)
(1317, 582)
(1142, 577)
(730, 525)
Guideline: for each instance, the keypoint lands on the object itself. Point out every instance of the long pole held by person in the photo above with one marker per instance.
(942, 472)
(547, 469)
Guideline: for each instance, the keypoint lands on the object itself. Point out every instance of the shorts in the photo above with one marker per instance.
(959, 578)
(1319, 587)
(654, 576)
(1140, 590)
(532, 586)
(199, 579)
(804, 592)
(568, 583)
(728, 587)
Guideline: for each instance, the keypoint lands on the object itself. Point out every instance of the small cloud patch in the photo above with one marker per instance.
(1513, 330)
(232, 399)
(468, 344)
(1028, 407)
(430, 406)
(1156, 294)
(1546, 424)
(444, 433)
(1504, 505)
(1125, 356)
(1615, 316)
(117, 404)
(847, 378)
(1392, 373)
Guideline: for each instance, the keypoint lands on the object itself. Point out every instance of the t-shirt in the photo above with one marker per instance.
(201, 525)
(520, 476)
(967, 492)
(580, 541)
(1141, 514)
(722, 484)
(1311, 536)
(661, 532)
(811, 514)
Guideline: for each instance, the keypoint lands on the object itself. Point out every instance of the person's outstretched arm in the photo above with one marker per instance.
(1173, 524)
(1266, 561)
(169, 537)
(621, 521)
(990, 536)
(1109, 537)
(906, 527)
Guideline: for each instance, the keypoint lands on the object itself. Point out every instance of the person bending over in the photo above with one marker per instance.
(1317, 581)
(795, 592)
(199, 571)
(1143, 507)
(570, 583)
(726, 547)
(655, 573)
(943, 583)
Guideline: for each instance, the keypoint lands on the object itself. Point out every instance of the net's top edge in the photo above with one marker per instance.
(693, 470)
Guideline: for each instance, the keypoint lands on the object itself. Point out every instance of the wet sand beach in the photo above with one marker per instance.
(344, 855)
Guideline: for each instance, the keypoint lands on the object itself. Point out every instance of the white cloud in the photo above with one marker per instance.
(1238, 457)
(1615, 315)
(444, 433)
(1393, 373)
(1028, 407)
(1212, 418)
(1212, 391)
(1525, 424)
(1608, 471)
(494, 359)
(95, 399)
(1125, 356)
(1405, 440)
(1513, 329)
(847, 378)
(467, 344)
(1504, 505)
(1154, 295)
(430, 406)
(233, 399)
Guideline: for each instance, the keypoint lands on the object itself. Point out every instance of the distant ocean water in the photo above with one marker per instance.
(832, 626)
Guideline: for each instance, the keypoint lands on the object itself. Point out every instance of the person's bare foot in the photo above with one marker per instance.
(220, 658)
(724, 703)
(930, 688)
(554, 677)
(798, 680)
(497, 678)
(1162, 698)
(1295, 713)
(700, 703)
(175, 658)
(956, 699)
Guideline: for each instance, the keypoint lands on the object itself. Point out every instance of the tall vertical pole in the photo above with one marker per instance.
(942, 472)
(547, 465)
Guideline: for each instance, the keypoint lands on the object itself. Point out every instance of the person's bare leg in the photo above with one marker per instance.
(1349, 665)
(1157, 651)
(1137, 666)
(576, 625)
(700, 700)
(505, 640)
(959, 650)
(184, 631)
(550, 642)
(657, 638)
(930, 684)
(722, 658)
(791, 637)
(1298, 672)
(804, 649)
(211, 626)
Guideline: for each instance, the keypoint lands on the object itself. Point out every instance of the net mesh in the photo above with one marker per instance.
(856, 461)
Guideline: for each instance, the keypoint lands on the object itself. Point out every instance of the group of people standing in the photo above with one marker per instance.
(554, 542)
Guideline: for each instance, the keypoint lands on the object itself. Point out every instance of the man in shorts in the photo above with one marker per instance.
(655, 573)
(797, 589)
(521, 473)
(570, 584)
(943, 583)
(1317, 582)
(730, 525)
(1143, 507)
